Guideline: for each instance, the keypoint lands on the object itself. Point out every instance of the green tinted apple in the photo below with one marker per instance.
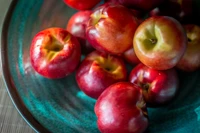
(160, 42)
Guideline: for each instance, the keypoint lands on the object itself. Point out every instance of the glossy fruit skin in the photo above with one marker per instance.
(82, 4)
(130, 57)
(98, 71)
(144, 5)
(111, 24)
(191, 59)
(158, 87)
(121, 109)
(51, 52)
(160, 42)
(77, 27)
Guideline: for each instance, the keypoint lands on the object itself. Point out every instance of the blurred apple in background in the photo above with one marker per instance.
(137, 13)
(77, 27)
(181, 10)
(158, 87)
(82, 4)
(131, 57)
(191, 59)
(144, 5)
(51, 52)
(111, 28)
(98, 71)
(168, 8)
(121, 109)
(141, 16)
(160, 42)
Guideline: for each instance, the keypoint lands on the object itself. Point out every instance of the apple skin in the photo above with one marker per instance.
(77, 27)
(51, 52)
(130, 57)
(191, 59)
(81, 4)
(160, 42)
(141, 16)
(137, 13)
(111, 24)
(144, 5)
(121, 109)
(158, 86)
(98, 71)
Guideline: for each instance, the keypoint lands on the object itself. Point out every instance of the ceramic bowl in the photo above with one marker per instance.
(59, 106)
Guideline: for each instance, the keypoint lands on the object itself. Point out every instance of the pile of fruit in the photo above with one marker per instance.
(155, 37)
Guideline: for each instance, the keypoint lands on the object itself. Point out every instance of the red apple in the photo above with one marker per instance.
(160, 42)
(191, 59)
(77, 26)
(121, 109)
(158, 87)
(186, 6)
(144, 5)
(82, 4)
(131, 57)
(141, 16)
(98, 71)
(137, 13)
(111, 28)
(51, 52)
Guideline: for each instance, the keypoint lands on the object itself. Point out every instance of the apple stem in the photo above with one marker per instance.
(153, 41)
(145, 86)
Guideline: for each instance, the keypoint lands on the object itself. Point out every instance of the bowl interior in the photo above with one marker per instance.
(59, 105)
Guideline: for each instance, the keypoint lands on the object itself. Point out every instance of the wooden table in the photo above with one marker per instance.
(10, 119)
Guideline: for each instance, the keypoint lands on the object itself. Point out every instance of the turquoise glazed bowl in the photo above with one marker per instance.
(58, 106)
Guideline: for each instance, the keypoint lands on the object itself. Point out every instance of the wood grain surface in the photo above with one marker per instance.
(10, 119)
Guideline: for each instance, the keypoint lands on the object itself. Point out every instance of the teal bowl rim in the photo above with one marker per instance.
(10, 87)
